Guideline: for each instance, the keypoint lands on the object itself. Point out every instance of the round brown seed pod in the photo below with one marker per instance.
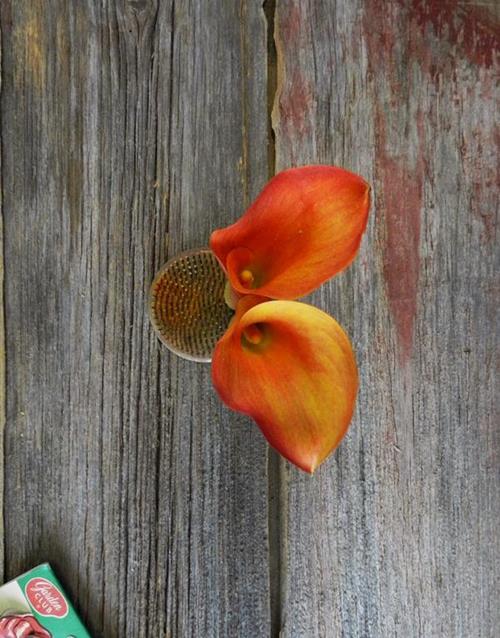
(186, 305)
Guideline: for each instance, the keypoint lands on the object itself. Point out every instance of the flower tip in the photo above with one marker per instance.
(311, 466)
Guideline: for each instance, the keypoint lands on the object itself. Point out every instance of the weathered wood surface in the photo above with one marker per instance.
(2, 355)
(398, 534)
(124, 122)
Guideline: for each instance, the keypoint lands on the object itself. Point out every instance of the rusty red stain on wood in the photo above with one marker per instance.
(295, 104)
(400, 195)
(438, 33)
(290, 25)
(484, 170)
(296, 97)
(472, 29)
(434, 36)
(399, 173)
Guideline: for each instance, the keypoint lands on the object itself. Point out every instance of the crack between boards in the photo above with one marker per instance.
(276, 469)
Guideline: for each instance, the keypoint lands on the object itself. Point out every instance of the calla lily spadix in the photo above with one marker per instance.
(289, 365)
(286, 364)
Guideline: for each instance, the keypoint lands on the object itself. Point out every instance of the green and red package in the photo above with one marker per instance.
(34, 605)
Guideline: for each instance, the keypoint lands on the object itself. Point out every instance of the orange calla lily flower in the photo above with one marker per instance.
(304, 227)
(291, 367)
(286, 364)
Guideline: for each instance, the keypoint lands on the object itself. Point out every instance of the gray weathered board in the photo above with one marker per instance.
(131, 129)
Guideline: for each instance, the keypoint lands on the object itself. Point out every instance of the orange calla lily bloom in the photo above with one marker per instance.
(291, 367)
(287, 364)
(304, 227)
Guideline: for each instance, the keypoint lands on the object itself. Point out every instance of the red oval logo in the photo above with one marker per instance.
(45, 598)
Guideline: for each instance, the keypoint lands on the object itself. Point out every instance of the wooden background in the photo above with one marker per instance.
(130, 130)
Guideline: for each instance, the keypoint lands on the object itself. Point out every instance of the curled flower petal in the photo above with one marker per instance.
(303, 228)
(291, 367)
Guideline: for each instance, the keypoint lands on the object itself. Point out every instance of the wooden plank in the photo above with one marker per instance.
(397, 535)
(2, 361)
(125, 122)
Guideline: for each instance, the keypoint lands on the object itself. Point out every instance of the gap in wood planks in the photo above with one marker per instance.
(277, 484)
(272, 82)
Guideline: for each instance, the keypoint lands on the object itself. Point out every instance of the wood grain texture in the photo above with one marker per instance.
(2, 358)
(124, 123)
(127, 123)
(397, 535)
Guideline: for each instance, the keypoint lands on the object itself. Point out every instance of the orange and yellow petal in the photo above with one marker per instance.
(291, 368)
(303, 228)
